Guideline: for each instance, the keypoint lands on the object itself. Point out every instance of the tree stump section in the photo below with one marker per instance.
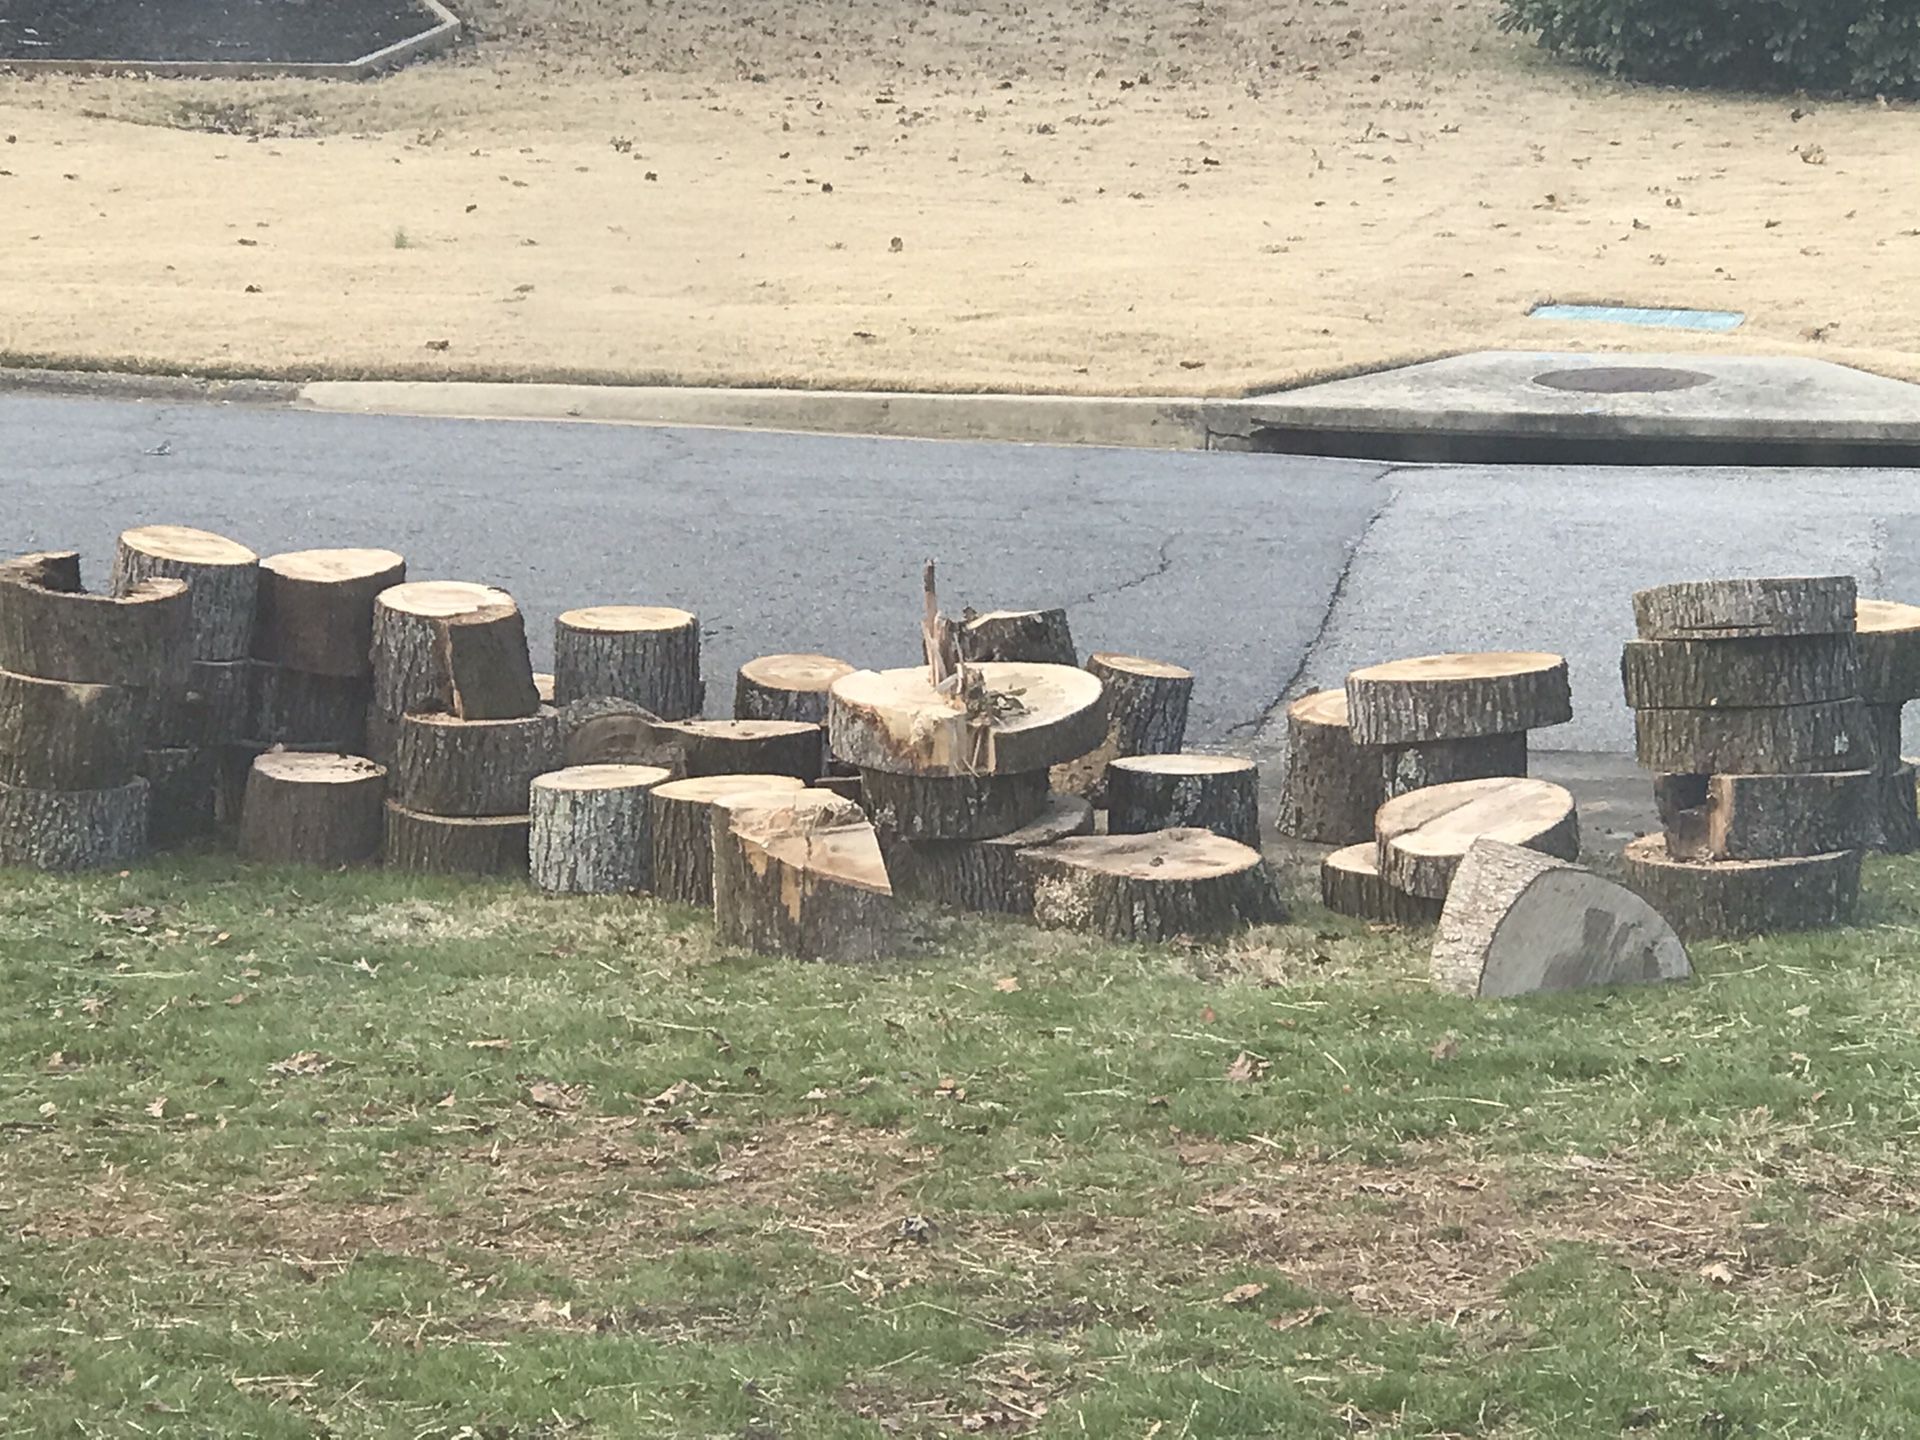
(1889, 648)
(988, 875)
(223, 576)
(1519, 923)
(1333, 786)
(745, 747)
(451, 647)
(680, 825)
(1457, 697)
(302, 705)
(1882, 727)
(1894, 823)
(590, 833)
(424, 844)
(313, 809)
(1786, 739)
(58, 735)
(1765, 817)
(1027, 637)
(786, 687)
(952, 807)
(232, 767)
(1351, 884)
(1741, 608)
(800, 874)
(142, 638)
(1423, 836)
(447, 766)
(1152, 887)
(1147, 704)
(179, 794)
(1708, 899)
(1020, 718)
(316, 609)
(1220, 793)
(648, 654)
(1441, 762)
(1738, 674)
(216, 706)
(73, 829)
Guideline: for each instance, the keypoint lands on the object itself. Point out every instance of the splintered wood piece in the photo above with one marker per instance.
(73, 829)
(1893, 823)
(543, 686)
(1441, 762)
(1029, 637)
(1351, 884)
(222, 575)
(987, 875)
(1454, 697)
(801, 874)
(216, 706)
(680, 826)
(447, 646)
(1220, 793)
(786, 687)
(1147, 703)
(316, 609)
(142, 638)
(1519, 923)
(1422, 836)
(590, 833)
(45, 569)
(1780, 740)
(300, 705)
(648, 654)
(1765, 817)
(422, 844)
(59, 735)
(1738, 674)
(1333, 786)
(179, 794)
(1882, 734)
(1021, 717)
(448, 766)
(1889, 649)
(1153, 886)
(313, 809)
(1732, 609)
(744, 747)
(1706, 899)
(952, 807)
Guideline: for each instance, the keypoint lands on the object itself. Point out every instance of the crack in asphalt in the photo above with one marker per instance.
(1161, 567)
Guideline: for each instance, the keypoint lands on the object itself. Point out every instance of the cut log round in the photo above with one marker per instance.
(316, 609)
(1893, 817)
(1351, 884)
(1519, 923)
(786, 687)
(952, 807)
(1023, 717)
(223, 576)
(1889, 648)
(1738, 674)
(73, 829)
(1220, 793)
(1333, 786)
(1706, 899)
(216, 706)
(800, 874)
(1454, 697)
(1882, 733)
(46, 569)
(649, 654)
(1731, 609)
(1028, 637)
(591, 834)
(447, 766)
(1422, 836)
(232, 767)
(447, 646)
(1786, 739)
(680, 826)
(1765, 817)
(300, 705)
(745, 747)
(987, 875)
(58, 735)
(142, 638)
(1152, 887)
(179, 794)
(1147, 704)
(313, 809)
(455, 844)
(1441, 762)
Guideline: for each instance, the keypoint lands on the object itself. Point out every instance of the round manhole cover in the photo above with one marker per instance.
(1621, 379)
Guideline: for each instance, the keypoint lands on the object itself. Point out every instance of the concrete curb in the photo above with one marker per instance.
(121, 385)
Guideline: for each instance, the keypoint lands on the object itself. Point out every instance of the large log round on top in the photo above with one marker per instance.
(1147, 704)
(1422, 836)
(222, 574)
(179, 793)
(800, 874)
(985, 875)
(1766, 817)
(1731, 609)
(1351, 884)
(316, 609)
(143, 638)
(1018, 717)
(1220, 793)
(303, 705)
(1889, 648)
(455, 844)
(1778, 740)
(1452, 697)
(58, 735)
(1153, 886)
(1333, 786)
(448, 766)
(449, 646)
(1032, 637)
(680, 826)
(649, 654)
(1441, 762)
(590, 833)
(313, 809)
(1893, 822)
(745, 747)
(73, 829)
(786, 687)
(1705, 899)
(1715, 674)
(952, 807)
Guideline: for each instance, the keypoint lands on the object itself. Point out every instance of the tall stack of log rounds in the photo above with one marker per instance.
(1746, 706)
(1887, 641)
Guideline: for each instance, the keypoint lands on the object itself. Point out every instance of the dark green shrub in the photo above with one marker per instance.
(1840, 47)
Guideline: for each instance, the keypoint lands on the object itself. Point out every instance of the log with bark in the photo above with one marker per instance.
(1455, 697)
(1738, 674)
(648, 654)
(987, 875)
(801, 874)
(1441, 762)
(424, 844)
(786, 687)
(222, 575)
(1220, 793)
(1153, 886)
(744, 747)
(1706, 899)
(46, 569)
(608, 731)
(1333, 786)
(1889, 649)
(952, 807)
(680, 830)
(1780, 740)
(446, 646)
(60, 735)
(142, 639)
(1520, 923)
(1351, 884)
(313, 809)
(1882, 723)
(1422, 836)
(1147, 703)
(232, 766)
(179, 794)
(316, 609)
(1733, 609)
(448, 766)
(1012, 718)
(590, 833)
(1894, 819)
(73, 829)
(847, 787)
(216, 706)
(1029, 637)
(1765, 817)
(303, 705)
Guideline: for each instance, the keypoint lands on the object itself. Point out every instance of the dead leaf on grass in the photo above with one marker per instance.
(546, 1095)
(1298, 1318)
(1446, 1047)
(305, 1062)
(1245, 1069)
(157, 1107)
(1006, 984)
(489, 1044)
(1243, 1294)
(1718, 1273)
(671, 1096)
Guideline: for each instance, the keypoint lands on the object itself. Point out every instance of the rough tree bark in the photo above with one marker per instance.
(179, 794)
(232, 766)
(1030, 637)
(1333, 786)
(1738, 674)
(1220, 793)
(1152, 887)
(58, 735)
(1889, 649)
(1732, 609)
(1422, 836)
(1786, 739)
(142, 638)
(1455, 697)
(801, 874)
(986, 875)
(1881, 726)
(455, 844)
(1147, 703)
(591, 834)
(1894, 823)
(302, 705)
(447, 766)
(1021, 718)
(1351, 884)
(73, 829)
(313, 809)
(648, 654)
(316, 609)
(680, 826)
(223, 576)
(1441, 762)
(215, 706)
(786, 687)
(449, 647)
(1725, 898)
(952, 807)
(745, 747)
(1765, 817)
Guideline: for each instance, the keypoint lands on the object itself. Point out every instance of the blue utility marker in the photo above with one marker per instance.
(1630, 315)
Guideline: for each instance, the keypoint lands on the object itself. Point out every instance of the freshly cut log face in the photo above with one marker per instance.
(986, 875)
(1738, 674)
(1441, 762)
(1787, 739)
(648, 654)
(1333, 785)
(1032, 637)
(1351, 884)
(1151, 887)
(223, 575)
(680, 822)
(1519, 923)
(1730, 609)
(1026, 717)
(73, 829)
(1889, 646)
(316, 609)
(58, 735)
(1725, 898)
(1894, 818)
(786, 687)
(590, 833)
(801, 874)
(1766, 817)
(448, 646)
(1147, 703)
(543, 686)
(952, 807)
(745, 747)
(143, 638)
(1423, 836)
(313, 809)
(1452, 697)
(1220, 793)
(455, 844)
(448, 766)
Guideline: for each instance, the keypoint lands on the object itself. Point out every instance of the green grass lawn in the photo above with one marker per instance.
(300, 1154)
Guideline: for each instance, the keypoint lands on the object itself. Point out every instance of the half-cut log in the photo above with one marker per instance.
(179, 794)
(1028, 637)
(1333, 786)
(800, 874)
(1147, 702)
(1766, 817)
(1441, 762)
(316, 609)
(786, 687)
(649, 654)
(59, 735)
(1738, 674)
(455, 844)
(1351, 884)
(1220, 793)
(1894, 818)
(448, 766)
(1889, 648)
(313, 809)
(1153, 886)
(1732, 609)
(952, 807)
(680, 822)
(447, 646)
(1453, 697)
(73, 829)
(1782, 740)
(1017, 718)
(223, 576)
(745, 747)
(591, 834)
(143, 638)
(1422, 836)
(1725, 898)
(986, 875)
(300, 705)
